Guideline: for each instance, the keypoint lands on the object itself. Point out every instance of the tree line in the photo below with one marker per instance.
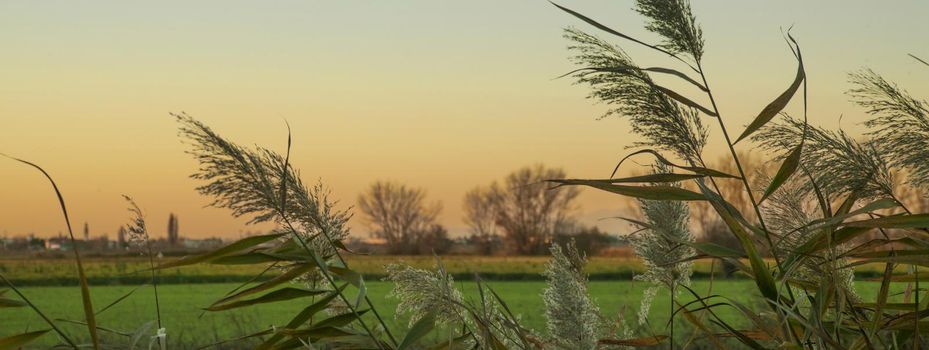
(520, 214)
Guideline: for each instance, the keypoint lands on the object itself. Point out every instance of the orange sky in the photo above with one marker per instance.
(442, 95)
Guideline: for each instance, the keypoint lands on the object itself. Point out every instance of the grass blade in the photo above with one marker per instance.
(788, 167)
(275, 296)
(686, 101)
(85, 288)
(776, 106)
(17, 341)
(918, 59)
(239, 245)
(670, 193)
(419, 330)
(662, 159)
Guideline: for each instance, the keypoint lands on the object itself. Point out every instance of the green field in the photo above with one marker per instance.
(188, 327)
(127, 270)
(50, 283)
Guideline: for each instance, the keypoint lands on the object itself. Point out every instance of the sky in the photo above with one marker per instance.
(443, 95)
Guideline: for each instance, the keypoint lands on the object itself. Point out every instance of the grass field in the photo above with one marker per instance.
(189, 327)
(125, 270)
(50, 283)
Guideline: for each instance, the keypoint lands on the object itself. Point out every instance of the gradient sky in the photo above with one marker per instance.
(445, 95)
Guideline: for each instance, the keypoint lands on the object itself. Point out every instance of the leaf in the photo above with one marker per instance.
(239, 245)
(645, 192)
(788, 167)
(611, 31)
(888, 306)
(237, 339)
(277, 295)
(716, 250)
(303, 317)
(109, 330)
(776, 106)
(353, 277)
(340, 320)
(918, 59)
(17, 341)
(760, 271)
(454, 344)
(686, 101)
(285, 277)
(676, 73)
(82, 276)
(120, 299)
(750, 333)
(421, 328)
(6, 302)
(637, 342)
(657, 178)
(899, 221)
(317, 332)
(660, 158)
(255, 258)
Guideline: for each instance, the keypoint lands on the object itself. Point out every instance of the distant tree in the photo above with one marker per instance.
(588, 240)
(86, 231)
(527, 210)
(399, 215)
(173, 229)
(434, 241)
(481, 219)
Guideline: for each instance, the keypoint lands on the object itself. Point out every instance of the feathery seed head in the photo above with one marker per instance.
(619, 82)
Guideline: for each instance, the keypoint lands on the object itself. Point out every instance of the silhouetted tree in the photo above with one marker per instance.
(480, 216)
(173, 235)
(399, 215)
(434, 241)
(527, 210)
(588, 240)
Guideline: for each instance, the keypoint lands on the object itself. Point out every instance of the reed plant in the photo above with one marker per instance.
(831, 204)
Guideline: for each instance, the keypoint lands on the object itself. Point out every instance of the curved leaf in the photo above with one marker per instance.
(285, 277)
(668, 177)
(277, 295)
(660, 158)
(686, 101)
(788, 167)
(773, 108)
(422, 327)
(340, 320)
(898, 221)
(239, 245)
(645, 192)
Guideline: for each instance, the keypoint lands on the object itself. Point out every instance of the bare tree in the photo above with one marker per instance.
(527, 211)
(399, 215)
(481, 218)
